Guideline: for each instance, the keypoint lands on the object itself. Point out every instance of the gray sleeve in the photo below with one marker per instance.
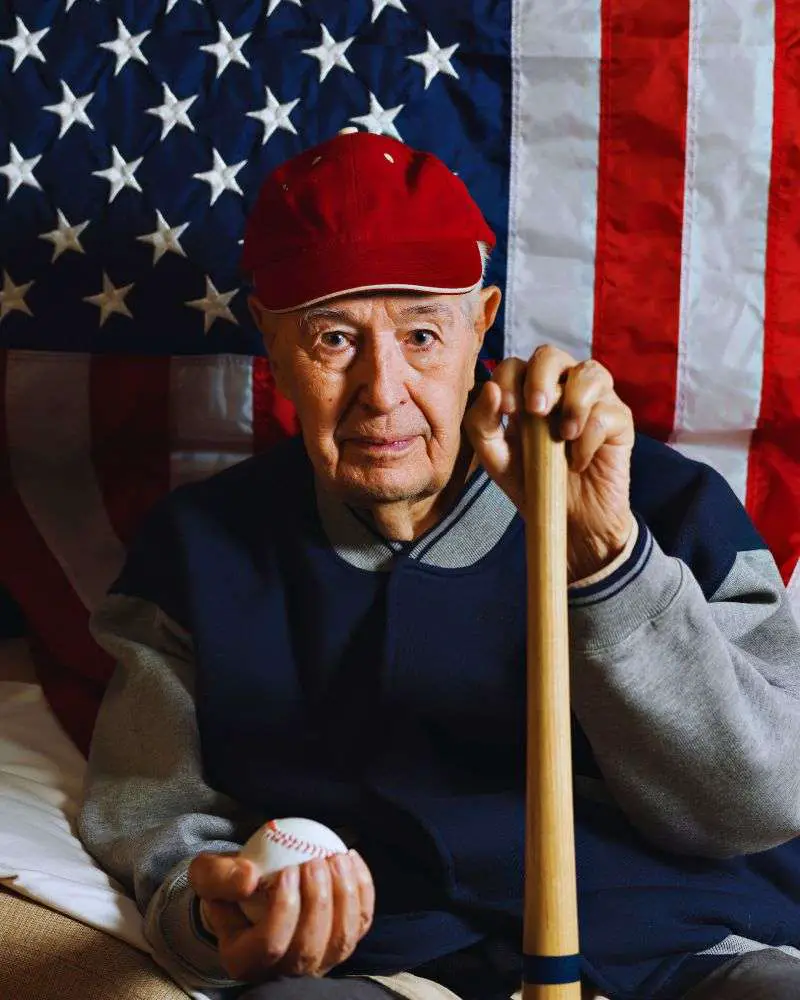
(147, 810)
(692, 706)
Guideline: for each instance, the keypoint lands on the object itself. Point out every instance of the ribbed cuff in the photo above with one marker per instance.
(174, 926)
(637, 591)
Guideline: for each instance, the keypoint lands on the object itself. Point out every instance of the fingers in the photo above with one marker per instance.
(545, 376)
(312, 916)
(346, 925)
(306, 952)
(586, 384)
(255, 951)
(366, 893)
(554, 381)
(497, 446)
(509, 376)
(608, 423)
(337, 904)
(225, 920)
(222, 877)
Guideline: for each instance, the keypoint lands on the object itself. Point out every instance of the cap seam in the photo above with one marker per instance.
(354, 182)
(366, 288)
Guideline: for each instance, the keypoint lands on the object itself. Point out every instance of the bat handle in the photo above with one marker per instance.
(550, 928)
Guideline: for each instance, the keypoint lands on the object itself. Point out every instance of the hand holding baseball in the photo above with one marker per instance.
(309, 917)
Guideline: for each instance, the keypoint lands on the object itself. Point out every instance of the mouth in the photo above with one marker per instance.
(382, 445)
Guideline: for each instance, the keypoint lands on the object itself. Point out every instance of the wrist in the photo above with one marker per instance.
(590, 554)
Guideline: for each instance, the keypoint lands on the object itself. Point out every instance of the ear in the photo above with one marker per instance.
(486, 312)
(267, 323)
(484, 315)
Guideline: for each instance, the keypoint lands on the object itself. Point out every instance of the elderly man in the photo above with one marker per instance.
(335, 630)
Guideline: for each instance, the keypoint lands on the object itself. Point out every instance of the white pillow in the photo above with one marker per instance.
(41, 775)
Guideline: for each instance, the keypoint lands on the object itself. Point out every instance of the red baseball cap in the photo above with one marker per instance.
(357, 212)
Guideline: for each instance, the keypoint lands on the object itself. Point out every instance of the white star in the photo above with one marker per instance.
(25, 43)
(227, 49)
(330, 53)
(110, 300)
(164, 238)
(222, 177)
(171, 4)
(275, 115)
(125, 46)
(65, 237)
(276, 3)
(120, 174)
(19, 171)
(435, 60)
(71, 109)
(214, 305)
(380, 120)
(379, 5)
(12, 297)
(173, 112)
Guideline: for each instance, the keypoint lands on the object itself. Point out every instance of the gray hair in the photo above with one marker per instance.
(471, 299)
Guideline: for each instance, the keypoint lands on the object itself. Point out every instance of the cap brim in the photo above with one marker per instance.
(448, 267)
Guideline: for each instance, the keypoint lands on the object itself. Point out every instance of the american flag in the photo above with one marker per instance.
(638, 159)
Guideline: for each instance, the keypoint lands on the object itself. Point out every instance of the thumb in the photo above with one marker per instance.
(487, 435)
(222, 877)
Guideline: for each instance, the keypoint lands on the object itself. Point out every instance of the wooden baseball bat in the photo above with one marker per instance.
(550, 930)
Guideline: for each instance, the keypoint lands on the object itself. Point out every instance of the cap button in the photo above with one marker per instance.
(347, 131)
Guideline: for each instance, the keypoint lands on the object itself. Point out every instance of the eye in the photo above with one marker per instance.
(422, 338)
(334, 339)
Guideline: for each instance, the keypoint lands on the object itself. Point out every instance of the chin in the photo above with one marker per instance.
(383, 487)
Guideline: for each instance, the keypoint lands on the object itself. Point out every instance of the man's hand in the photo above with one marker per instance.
(598, 429)
(315, 914)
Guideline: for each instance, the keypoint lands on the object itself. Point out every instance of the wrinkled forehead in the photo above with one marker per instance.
(396, 307)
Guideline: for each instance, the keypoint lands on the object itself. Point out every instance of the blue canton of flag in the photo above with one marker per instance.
(134, 137)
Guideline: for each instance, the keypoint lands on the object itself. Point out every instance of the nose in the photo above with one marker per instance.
(382, 372)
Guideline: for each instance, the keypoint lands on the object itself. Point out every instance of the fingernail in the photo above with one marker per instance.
(290, 878)
(539, 402)
(509, 402)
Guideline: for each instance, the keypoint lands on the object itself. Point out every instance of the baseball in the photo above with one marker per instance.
(281, 843)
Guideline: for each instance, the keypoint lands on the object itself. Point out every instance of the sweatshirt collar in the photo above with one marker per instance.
(467, 533)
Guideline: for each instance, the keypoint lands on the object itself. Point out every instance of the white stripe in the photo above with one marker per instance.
(728, 149)
(49, 442)
(211, 400)
(553, 182)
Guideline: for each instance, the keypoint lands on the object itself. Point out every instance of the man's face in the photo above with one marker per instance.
(380, 385)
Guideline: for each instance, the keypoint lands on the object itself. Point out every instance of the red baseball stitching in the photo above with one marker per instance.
(278, 836)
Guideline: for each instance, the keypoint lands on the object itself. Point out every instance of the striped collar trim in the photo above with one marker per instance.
(469, 532)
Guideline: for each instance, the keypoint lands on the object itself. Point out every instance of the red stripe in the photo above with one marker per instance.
(130, 408)
(274, 416)
(773, 486)
(643, 90)
(72, 667)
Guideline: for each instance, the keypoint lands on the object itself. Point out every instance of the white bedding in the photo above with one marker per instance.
(41, 774)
